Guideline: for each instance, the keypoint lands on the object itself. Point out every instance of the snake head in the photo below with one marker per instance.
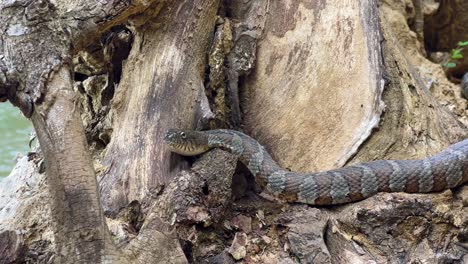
(186, 142)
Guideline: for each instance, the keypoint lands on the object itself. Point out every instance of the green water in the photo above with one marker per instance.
(14, 136)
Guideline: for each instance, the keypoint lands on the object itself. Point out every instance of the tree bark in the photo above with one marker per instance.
(81, 232)
(341, 69)
(168, 68)
(319, 83)
(36, 77)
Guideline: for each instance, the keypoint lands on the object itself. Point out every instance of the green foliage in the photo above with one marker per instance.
(456, 54)
(449, 65)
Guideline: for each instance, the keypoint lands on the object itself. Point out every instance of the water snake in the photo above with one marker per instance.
(464, 85)
(446, 169)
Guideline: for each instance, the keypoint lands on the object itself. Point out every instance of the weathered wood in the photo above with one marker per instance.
(317, 80)
(414, 124)
(386, 228)
(331, 95)
(25, 205)
(81, 231)
(316, 63)
(160, 88)
(36, 76)
(11, 247)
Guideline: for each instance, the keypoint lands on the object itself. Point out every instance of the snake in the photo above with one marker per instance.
(464, 85)
(444, 170)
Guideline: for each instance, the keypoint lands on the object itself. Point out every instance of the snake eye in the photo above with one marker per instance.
(182, 135)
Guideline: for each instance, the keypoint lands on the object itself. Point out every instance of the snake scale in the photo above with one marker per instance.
(447, 169)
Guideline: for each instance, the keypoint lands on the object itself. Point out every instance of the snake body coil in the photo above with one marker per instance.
(447, 169)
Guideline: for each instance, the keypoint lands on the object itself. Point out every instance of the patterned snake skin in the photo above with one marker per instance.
(447, 169)
(464, 85)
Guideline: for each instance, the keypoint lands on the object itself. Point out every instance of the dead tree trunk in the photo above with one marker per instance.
(36, 77)
(319, 83)
(168, 68)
